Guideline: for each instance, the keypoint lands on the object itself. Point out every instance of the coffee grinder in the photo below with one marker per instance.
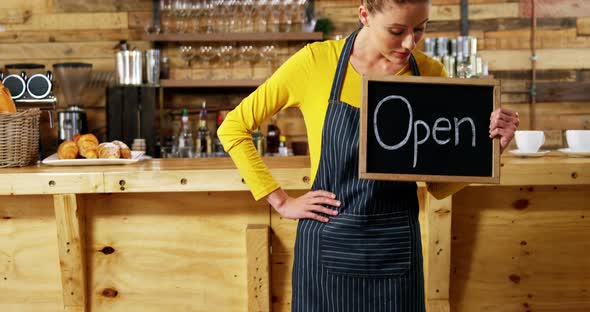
(72, 79)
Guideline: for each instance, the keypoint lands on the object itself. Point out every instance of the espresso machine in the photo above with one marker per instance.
(72, 79)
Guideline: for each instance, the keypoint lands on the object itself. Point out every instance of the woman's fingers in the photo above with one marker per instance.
(311, 215)
(321, 193)
(325, 201)
(322, 209)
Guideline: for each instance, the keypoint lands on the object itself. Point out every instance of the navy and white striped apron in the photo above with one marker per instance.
(369, 257)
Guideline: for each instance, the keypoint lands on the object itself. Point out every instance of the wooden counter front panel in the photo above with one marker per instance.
(169, 251)
(521, 249)
(29, 263)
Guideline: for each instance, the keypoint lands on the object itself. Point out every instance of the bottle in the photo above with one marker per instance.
(203, 135)
(184, 142)
(258, 140)
(218, 147)
(283, 151)
(272, 138)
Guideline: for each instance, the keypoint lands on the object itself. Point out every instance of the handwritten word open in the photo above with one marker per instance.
(438, 128)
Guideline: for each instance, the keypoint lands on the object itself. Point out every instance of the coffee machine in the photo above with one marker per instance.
(72, 79)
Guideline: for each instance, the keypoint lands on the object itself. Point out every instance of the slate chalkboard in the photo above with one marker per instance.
(428, 129)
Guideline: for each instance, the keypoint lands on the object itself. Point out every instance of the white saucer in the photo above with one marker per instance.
(571, 153)
(520, 153)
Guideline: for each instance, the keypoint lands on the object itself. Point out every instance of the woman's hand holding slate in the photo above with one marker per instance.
(307, 206)
(503, 124)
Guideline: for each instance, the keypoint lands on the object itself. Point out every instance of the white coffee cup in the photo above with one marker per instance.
(578, 140)
(529, 141)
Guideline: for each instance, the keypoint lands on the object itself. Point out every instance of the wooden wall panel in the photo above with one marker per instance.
(551, 8)
(77, 21)
(584, 26)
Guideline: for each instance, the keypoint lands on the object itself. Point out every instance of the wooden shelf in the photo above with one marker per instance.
(225, 37)
(231, 83)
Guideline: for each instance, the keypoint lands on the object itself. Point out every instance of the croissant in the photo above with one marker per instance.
(6, 102)
(67, 150)
(88, 143)
(124, 149)
(108, 150)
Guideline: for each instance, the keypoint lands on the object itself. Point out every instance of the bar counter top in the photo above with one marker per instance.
(220, 174)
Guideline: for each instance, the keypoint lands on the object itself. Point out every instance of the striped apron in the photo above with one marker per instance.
(369, 257)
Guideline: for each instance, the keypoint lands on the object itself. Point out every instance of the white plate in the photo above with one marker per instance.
(520, 153)
(54, 161)
(571, 153)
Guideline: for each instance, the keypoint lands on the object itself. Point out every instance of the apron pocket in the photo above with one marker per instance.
(372, 245)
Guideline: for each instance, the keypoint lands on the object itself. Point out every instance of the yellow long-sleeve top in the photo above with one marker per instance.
(304, 81)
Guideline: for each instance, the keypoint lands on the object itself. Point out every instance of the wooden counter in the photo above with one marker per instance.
(165, 235)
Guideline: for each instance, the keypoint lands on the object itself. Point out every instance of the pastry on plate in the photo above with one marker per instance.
(108, 150)
(124, 149)
(67, 150)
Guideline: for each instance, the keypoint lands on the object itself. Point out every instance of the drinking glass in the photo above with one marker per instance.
(248, 55)
(248, 21)
(166, 16)
(261, 15)
(181, 10)
(207, 53)
(195, 15)
(269, 53)
(227, 53)
(187, 53)
(274, 17)
(299, 16)
(209, 10)
(286, 16)
(233, 20)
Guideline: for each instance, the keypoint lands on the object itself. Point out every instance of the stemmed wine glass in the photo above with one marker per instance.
(274, 16)
(248, 55)
(187, 53)
(209, 10)
(227, 53)
(287, 20)
(231, 19)
(207, 53)
(248, 9)
(181, 10)
(195, 15)
(166, 9)
(261, 13)
(269, 52)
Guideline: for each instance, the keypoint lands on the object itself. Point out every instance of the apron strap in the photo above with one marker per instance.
(343, 65)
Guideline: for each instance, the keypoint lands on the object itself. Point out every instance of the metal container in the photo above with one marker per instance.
(463, 45)
(472, 45)
(152, 66)
(442, 46)
(71, 122)
(454, 47)
(429, 44)
(449, 62)
(129, 67)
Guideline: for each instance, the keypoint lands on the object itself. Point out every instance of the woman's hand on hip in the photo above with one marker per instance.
(503, 124)
(307, 206)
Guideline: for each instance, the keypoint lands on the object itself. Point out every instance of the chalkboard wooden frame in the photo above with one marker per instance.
(493, 178)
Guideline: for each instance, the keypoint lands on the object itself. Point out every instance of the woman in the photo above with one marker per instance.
(358, 241)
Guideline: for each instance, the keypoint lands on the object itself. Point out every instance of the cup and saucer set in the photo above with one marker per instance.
(529, 142)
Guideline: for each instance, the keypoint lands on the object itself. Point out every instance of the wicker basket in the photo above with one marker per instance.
(19, 138)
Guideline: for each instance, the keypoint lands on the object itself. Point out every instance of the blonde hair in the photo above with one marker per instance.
(377, 5)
